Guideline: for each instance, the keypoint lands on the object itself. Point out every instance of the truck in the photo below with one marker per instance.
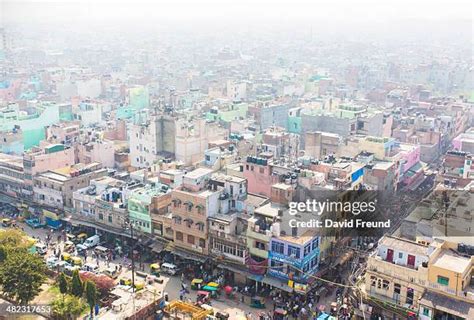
(92, 241)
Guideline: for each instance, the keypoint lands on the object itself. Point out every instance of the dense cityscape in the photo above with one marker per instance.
(250, 170)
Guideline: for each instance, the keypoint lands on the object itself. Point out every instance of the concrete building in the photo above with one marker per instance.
(268, 113)
(192, 139)
(293, 257)
(397, 272)
(192, 205)
(88, 112)
(146, 205)
(151, 140)
(321, 144)
(12, 178)
(344, 120)
(97, 150)
(44, 158)
(31, 121)
(55, 188)
(101, 205)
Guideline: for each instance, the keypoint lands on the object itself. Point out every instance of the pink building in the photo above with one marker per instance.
(43, 158)
(259, 175)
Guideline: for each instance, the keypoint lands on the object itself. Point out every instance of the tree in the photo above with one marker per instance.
(91, 295)
(76, 285)
(103, 283)
(13, 240)
(21, 275)
(63, 284)
(69, 307)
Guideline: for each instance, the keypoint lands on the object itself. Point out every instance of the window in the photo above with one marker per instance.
(426, 312)
(400, 255)
(315, 244)
(202, 242)
(278, 247)
(247, 167)
(397, 288)
(276, 265)
(385, 284)
(294, 251)
(190, 239)
(101, 216)
(307, 249)
(443, 280)
(262, 170)
(259, 245)
(179, 236)
(373, 281)
(410, 296)
(110, 219)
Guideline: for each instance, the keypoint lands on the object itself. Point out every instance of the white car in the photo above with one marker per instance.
(51, 261)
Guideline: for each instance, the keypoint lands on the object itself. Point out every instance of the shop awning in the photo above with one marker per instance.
(440, 302)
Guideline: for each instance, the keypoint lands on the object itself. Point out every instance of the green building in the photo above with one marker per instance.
(141, 203)
(229, 113)
(32, 122)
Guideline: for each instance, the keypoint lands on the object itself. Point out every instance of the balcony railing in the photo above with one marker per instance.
(263, 235)
(467, 294)
(417, 276)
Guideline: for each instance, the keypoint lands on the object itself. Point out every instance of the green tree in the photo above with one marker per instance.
(21, 275)
(63, 283)
(69, 307)
(76, 285)
(14, 238)
(91, 295)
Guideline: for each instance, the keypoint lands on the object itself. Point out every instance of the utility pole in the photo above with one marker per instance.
(133, 258)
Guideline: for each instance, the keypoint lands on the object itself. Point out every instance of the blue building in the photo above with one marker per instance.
(294, 258)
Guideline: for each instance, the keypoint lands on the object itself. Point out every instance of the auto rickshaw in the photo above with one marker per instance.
(125, 282)
(197, 284)
(71, 237)
(203, 297)
(7, 222)
(257, 302)
(155, 269)
(76, 261)
(69, 246)
(139, 285)
(81, 237)
(212, 290)
(65, 257)
(280, 314)
(214, 284)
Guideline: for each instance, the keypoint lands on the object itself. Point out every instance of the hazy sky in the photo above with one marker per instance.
(233, 11)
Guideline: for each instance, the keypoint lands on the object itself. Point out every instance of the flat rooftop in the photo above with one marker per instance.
(451, 261)
(404, 245)
(199, 172)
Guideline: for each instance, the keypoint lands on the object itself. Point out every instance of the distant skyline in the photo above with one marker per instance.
(340, 11)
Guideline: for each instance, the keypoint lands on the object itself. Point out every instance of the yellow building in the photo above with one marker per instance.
(449, 294)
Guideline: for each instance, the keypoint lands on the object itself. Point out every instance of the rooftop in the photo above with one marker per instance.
(199, 172)
(404, 245)
(451, 261)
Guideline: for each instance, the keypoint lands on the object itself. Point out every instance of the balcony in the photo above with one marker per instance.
(229, 237)
(377, 265)
(261, 235)
(259, 253)
(466, 294)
